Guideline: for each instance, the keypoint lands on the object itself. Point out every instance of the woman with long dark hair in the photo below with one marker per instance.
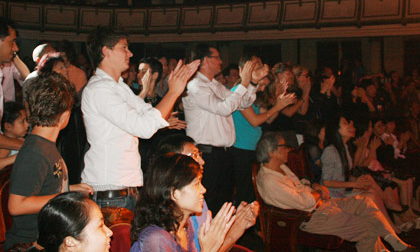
(171, 193)
(337, 163)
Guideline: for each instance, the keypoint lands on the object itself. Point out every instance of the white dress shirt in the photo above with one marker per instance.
(208, 110)
(10, 74)
(114, 117)
(284, 191)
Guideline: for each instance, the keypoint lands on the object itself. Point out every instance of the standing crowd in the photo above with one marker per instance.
(174, 141)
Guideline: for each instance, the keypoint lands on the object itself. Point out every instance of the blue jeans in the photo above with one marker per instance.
(128, 201)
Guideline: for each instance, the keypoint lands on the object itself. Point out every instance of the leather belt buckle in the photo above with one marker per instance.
(110, 194)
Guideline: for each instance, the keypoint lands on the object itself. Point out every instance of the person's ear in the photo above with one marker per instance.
(64, 116)
(7, 126)
(105, 51)
(71, 244)
(175, 194)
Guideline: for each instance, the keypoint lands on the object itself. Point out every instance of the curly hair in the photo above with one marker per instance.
(155, 206)
(49, 96)
(100, 37)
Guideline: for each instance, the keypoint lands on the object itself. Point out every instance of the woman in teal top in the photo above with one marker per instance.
(248, 132)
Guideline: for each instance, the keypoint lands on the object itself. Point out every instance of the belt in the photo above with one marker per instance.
(110, 194)
(206, 148)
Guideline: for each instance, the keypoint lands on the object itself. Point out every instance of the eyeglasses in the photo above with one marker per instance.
(283, 145)
(195, 154)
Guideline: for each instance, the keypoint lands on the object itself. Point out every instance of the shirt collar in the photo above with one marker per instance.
(205, 79)
(101, 73)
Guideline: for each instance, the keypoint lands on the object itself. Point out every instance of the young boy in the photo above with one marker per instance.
(39, 172)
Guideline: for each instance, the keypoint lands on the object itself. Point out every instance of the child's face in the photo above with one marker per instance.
(19, 128)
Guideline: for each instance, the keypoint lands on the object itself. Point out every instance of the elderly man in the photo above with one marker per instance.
(8, 49)
(208, 112)
(355, 219)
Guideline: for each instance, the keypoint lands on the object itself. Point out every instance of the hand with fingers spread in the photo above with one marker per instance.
(146, 82)
(259, 72)
(245, 73)
(285, 100)
(213, 233)
(284, 85)
(175, 123)
(179, 77)
(375, 143)
(246, 216)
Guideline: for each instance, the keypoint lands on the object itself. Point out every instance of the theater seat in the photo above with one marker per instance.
(5, 217)
(280, 227)
(118, 219)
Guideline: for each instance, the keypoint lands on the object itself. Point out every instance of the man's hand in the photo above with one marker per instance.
(245, 73)
(82, 188)
(179, 77)
(325, 194)
(175, 123)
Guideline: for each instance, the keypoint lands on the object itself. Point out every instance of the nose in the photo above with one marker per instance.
(130, 54)
(15, 47)
(109, 232)
(201, 161)
(203, 189)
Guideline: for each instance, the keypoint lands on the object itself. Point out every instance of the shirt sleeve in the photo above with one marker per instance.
(249, 97)
(154, 239)
(284, 196)
(134, 116)
(28, 174)
(216, 100)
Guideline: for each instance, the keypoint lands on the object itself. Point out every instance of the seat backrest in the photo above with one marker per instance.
(255, 169)
(5, 217)
(296, 164)
(304, 156)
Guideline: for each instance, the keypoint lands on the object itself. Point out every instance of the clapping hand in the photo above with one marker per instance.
(179, 77)
(245, 72)
(213, 232)
(175, 123)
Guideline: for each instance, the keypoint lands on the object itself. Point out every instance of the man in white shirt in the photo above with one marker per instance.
(355, 219)
(8, 49)
(114, 117)
(14, 70)
(208, 112)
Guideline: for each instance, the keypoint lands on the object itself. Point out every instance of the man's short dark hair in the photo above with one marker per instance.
(246, 57)
(155, 65)
(201, 51)
(100, 37)
(5, 24)
(268, 143)
(49, 96)
(173, 143)
(226, 71)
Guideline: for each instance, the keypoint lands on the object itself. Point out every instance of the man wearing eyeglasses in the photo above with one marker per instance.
(208, 112)
(246, 214)
(355, 219)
